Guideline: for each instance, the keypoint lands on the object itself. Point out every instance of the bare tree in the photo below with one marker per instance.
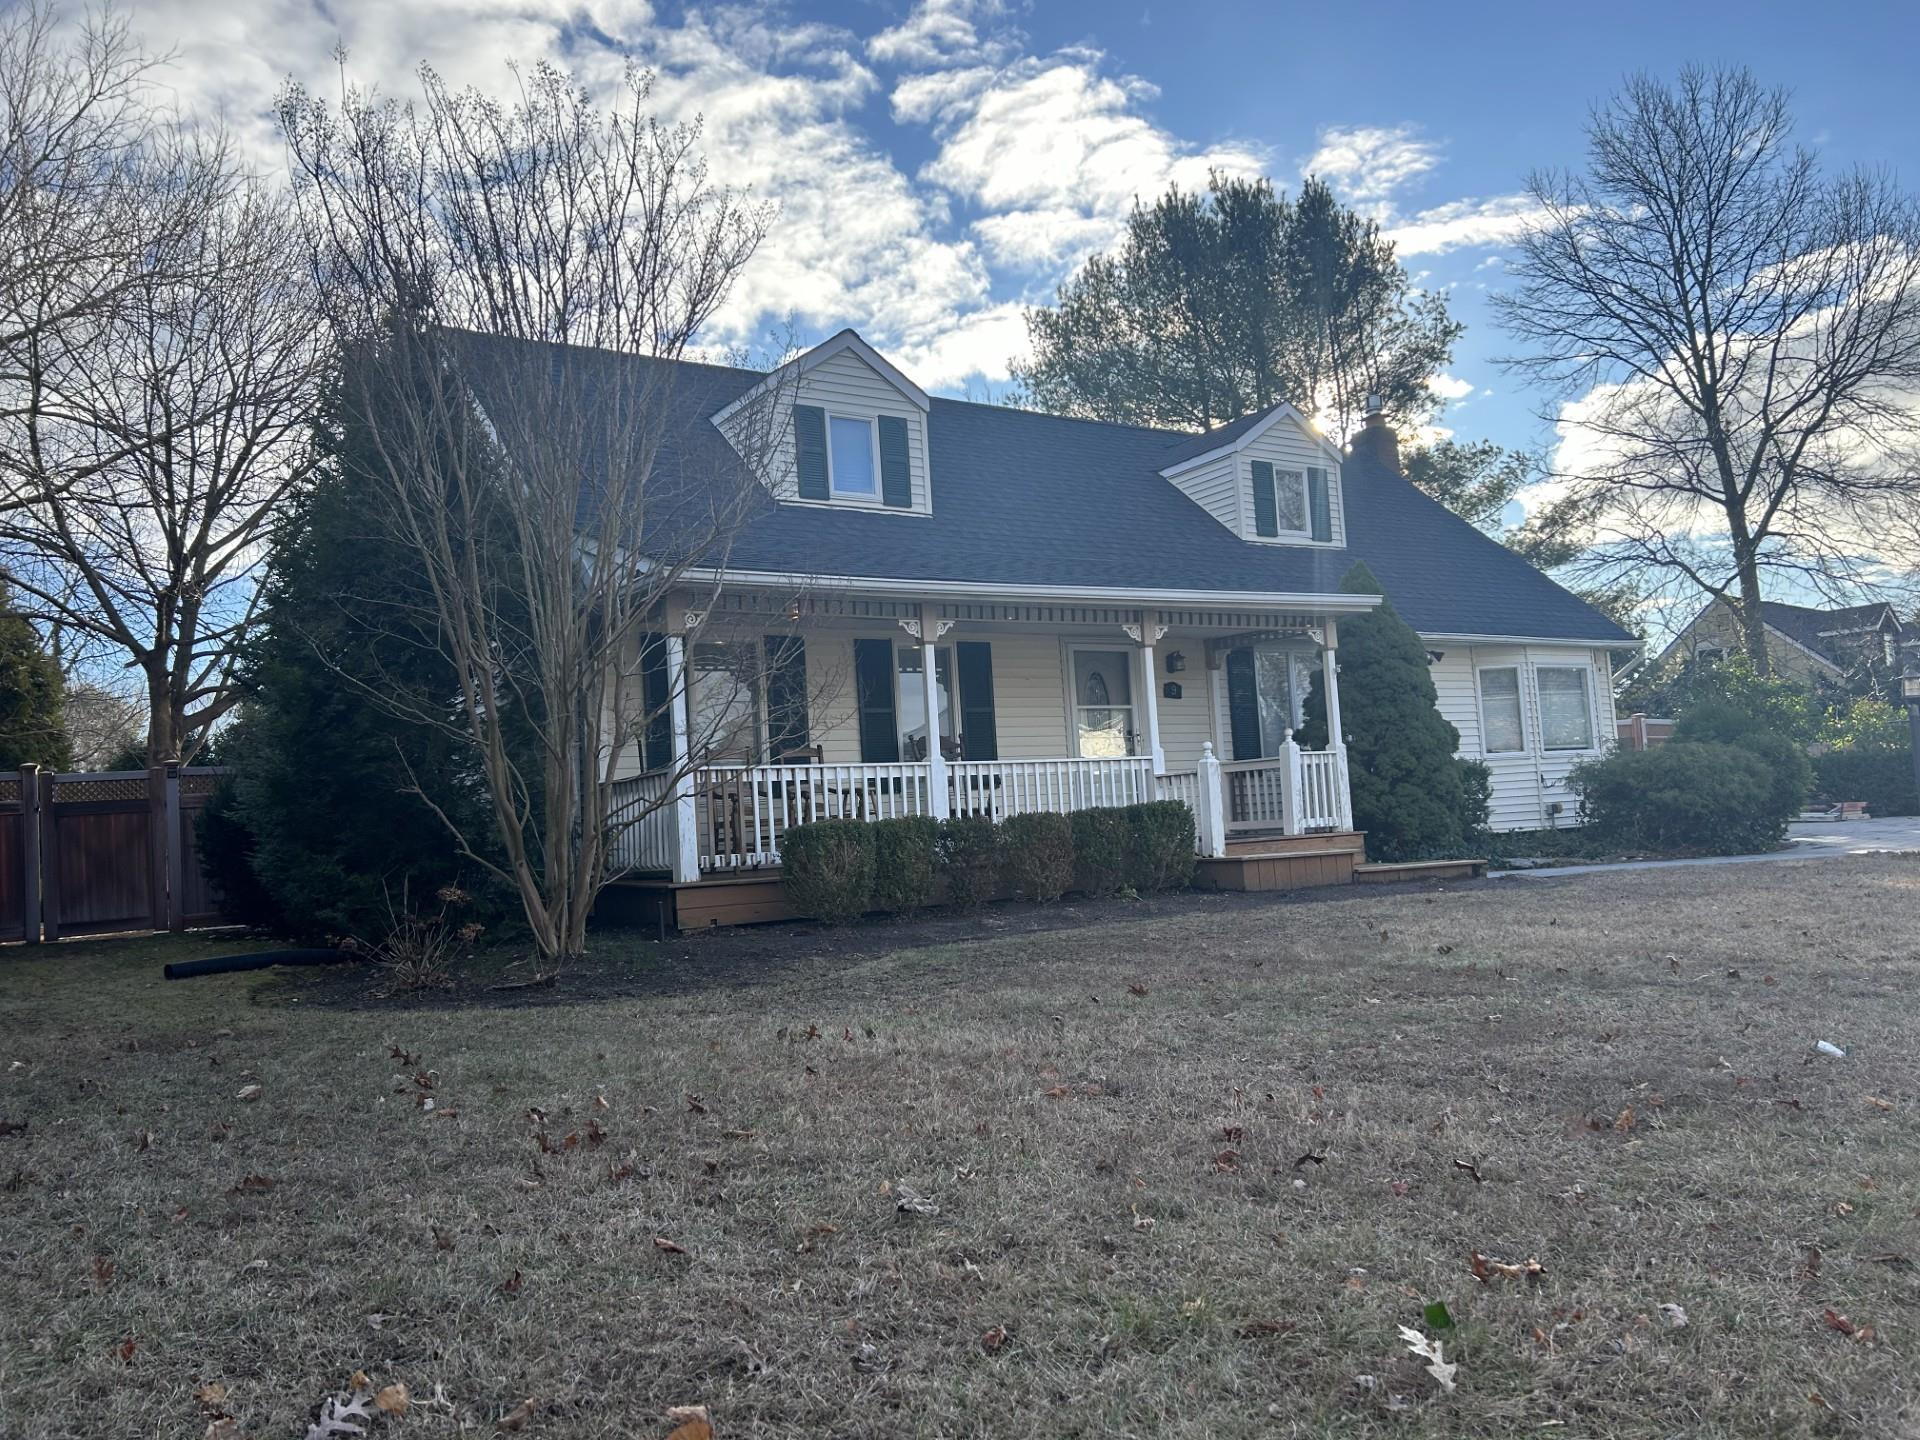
(160, 439)
(97, 188)
(526, 267)
(1742, 335)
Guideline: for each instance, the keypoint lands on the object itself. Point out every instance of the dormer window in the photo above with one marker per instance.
(1279, 501)
(853, 467)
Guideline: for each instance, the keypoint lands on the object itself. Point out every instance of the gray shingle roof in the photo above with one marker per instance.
(1021, 498)
(1828, 632)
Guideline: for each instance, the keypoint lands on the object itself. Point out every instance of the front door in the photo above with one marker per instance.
(1103, 703)
(1263, 700)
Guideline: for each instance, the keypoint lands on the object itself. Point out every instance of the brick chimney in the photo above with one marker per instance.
(1376, 438)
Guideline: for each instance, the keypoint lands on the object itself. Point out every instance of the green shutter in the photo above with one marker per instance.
(1266, 513)
(896, 469)
(874, 686)
(1243, 705)
(786, 698)
(1319, 505)
(978, 732)
(656, 699)
(810, 451)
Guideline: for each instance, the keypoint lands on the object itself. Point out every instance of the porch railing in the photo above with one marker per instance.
(743, 810)
(647, 841)
(1295, 791)
(1181, 785)
(999, 789)
(1323, 791)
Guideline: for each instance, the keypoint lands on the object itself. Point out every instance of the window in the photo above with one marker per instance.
(1501, 730)
(1290, 501)
(850, 450)
(1103, 703)
(723, 702)
(1566, 709)
(910, 703)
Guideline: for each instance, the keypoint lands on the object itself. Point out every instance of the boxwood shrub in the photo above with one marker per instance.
(1036, 853)
(1882, 778)
(1162, 848)
(905, 863)
(828, 869)
(1102, 850)
(968, 849)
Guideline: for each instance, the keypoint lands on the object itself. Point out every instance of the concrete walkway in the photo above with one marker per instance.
(1895, 836)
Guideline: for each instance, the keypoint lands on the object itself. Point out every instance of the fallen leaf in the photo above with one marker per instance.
(660, 1242)
(1226, 1162)
(102, 1272)
(515, 1420)
(696, 1105)
(1260, 1329)
(993, 1339)
(1316, 1159)
(392, 1399)
(211, 1395)
(1676, 1315)
(1836, 1321)
(690, 1422)
(1623, 1122)
(442, 1239)
(1399, 1187)
(252, 1185)
(511, 1285)
(1430, 1351)
(1133, 989)
(908, 1201)
(125, 1350)
(1058, 1092)
(1878, 1103)
(1471, 1168)
(250, 1092)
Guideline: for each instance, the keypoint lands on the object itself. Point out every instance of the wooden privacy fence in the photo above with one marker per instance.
(91, 854)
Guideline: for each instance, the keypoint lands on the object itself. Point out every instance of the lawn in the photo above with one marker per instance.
(1179, 1169)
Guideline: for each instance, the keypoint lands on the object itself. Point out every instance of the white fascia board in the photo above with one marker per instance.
(1453, 638)
(1335, 603)
(824, 351)
(1282, 411)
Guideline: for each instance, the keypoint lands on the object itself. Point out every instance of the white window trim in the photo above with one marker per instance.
(1519, 697)
(1290, 537)
(855, 497)
(1598, 742)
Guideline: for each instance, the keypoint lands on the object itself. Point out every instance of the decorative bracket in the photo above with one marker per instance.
(911, 626)
(1134, 633)
(942, 627)
(693, 619)
(1317, 634)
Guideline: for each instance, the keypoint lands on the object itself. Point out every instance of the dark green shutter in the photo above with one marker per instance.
(656, 699)
(896, 470)
(978, 732)
(810, 450)
(1319, 505)
(786, 698)
(1266, 513)
(874, 684)
(1243, 705)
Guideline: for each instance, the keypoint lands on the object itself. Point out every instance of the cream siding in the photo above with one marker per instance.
(1289, 448)
(1211, 487)
(844, 384)
(1526, 783)
(1187, 723)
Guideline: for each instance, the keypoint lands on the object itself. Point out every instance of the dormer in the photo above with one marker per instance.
(1271, 478)
(838, 427)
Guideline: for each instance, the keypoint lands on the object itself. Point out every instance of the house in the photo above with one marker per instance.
(939, 607)
(1855, 646)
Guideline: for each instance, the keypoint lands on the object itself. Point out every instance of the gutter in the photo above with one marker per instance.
(1337, 603)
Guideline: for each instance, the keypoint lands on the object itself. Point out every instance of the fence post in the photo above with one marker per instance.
(1210, 811)
(30, 854)
(686, 813)
(176, 855)
(1290, 786)
(49, 857)
(157, 847)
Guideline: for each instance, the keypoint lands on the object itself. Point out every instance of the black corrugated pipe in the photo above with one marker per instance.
(227, 964)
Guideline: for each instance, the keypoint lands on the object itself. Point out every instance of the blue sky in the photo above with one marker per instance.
(939, 164)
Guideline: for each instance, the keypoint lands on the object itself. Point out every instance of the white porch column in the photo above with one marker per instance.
(686, 820)
(930, 680)
(1210, 814)
(1150, 632)
(1336, 735)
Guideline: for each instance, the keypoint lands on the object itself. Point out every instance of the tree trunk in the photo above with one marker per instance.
(1753, 625)
(163, 729)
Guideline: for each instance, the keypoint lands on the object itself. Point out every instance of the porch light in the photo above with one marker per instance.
(1176, 662)
(1910, 689)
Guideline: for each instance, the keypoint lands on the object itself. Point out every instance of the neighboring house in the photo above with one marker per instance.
(1091, 613)
(1856, 646)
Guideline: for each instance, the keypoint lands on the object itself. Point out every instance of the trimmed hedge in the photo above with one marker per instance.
(1163, 852)
(968, 848)
(906, 863)
(828, 868)
(1882, 778)
(1695, 796)
(1036, 855)
(1102, 850)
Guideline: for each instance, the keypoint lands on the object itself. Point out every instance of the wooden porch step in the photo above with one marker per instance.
(1255, 843)
(1278, 870)
(1420, 870)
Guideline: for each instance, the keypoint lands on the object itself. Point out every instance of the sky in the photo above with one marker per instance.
(939, 165)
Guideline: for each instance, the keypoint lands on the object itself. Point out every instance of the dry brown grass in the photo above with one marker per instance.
(1048, 1112)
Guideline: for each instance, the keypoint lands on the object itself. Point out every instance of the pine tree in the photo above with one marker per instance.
(1409, 791)
(32, 697)
(323, 833)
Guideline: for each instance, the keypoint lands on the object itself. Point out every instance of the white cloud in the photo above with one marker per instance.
(939, 32)
(980, 344)
(1449, 387)
(1368, 163)
(1461, 224)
